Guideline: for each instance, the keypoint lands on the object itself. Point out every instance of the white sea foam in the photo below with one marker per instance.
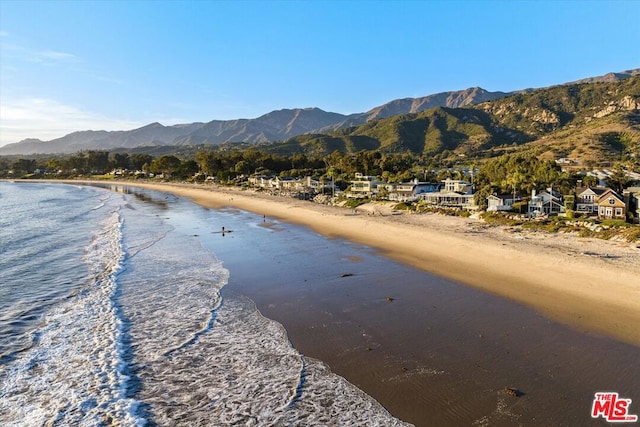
(150, 339)
(75, 373)
(203, 360)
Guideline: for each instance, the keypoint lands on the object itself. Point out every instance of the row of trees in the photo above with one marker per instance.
(227, 165)
(519, 173)
(84, 162)
(523, 173)
(391, 167)
(100, 162)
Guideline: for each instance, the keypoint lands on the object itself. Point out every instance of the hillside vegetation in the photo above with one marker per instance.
(595, 122)
(589, 122)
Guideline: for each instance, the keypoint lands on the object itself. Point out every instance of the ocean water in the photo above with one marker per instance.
(112, 313)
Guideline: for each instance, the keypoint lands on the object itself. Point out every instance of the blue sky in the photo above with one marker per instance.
(117, 65)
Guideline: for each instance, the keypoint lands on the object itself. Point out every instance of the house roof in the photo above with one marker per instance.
(554, 195)
(610, 193)
(506, 196)
(595, 190)
(633, 190)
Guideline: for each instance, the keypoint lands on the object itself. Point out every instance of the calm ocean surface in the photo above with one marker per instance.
(111, 314)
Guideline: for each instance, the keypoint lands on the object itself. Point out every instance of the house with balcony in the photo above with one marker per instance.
(363, 186)
(410, 191)
(547, 202)
(307, 184)
(454, 194)
(587, 199)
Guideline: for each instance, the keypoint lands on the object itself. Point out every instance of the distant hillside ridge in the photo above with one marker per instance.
(583, 121)
(287, 123)
(452, 99)
(153, 134)
(272, 126)
(609, 77)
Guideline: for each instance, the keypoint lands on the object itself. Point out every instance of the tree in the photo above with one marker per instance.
(188, 169)
(97, 161)
(166, 165)
(23, 166)
(242, 167)
(514, 181)
(589, 181)
(209, 162)
(55, 164)
(618, 180)
(78, 163)
(383, 193)
(298, 161)
(139, 160)
(121, 160)
(525, 171)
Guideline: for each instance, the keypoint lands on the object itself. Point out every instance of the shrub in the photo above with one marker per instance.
(404, 206)
(354, 203)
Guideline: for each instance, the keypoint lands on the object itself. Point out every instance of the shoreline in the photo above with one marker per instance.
(588, 284)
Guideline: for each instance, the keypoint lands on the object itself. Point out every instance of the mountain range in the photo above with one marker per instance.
(285, 124)
(590, 122)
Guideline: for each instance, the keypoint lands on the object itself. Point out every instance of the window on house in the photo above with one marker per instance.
(618, 211)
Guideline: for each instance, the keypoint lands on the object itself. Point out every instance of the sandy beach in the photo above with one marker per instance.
(433, 316)
(590, 284)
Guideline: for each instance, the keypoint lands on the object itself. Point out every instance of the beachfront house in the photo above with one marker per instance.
(363, 186)
(587, 199)
(260, 181)
(548, 202)
(611, 206)
(502, 202)
(297, 184)
(287, 185)
(410, 191)
(631, 197)
(454, 194)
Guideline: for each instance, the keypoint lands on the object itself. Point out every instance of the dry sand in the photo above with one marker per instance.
(590, 284)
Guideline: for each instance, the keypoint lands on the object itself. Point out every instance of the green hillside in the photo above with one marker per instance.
(428, 132)
(590, 122)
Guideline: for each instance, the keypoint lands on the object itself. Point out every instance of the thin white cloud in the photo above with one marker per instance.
(109, 80)
(49, 57)
(54, 55)
(48, 119)
(16, 49)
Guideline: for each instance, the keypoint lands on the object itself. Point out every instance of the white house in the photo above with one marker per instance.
(364, 186)
(455, 194)
(410, 191)
(501, 202)
(306, 184)
(587, 199)
(548, 202)
(260, 181)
